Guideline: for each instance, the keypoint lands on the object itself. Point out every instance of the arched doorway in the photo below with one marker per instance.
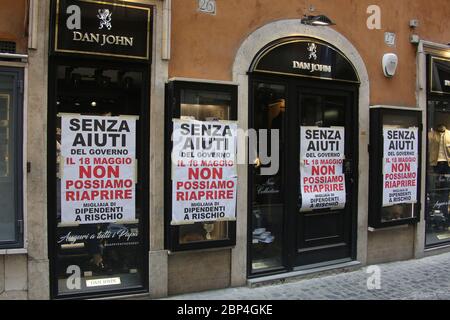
(304, 215)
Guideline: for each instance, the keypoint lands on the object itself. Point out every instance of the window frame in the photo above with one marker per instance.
(436, 97)
(18, 128)
(173, 110)
(376, 153)
(144, 133)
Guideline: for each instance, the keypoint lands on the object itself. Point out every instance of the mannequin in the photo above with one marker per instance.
(439, 146)
(439, 159)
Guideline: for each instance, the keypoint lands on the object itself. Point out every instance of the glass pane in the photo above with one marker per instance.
(204, 106)
(406, 210)
(90, 256)
(438, 173)
(268, 191)
(8, 181)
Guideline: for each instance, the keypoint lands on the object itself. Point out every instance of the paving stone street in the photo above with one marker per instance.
(427, 279)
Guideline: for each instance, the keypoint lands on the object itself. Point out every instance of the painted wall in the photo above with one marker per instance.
(13, 23)
(204, 46)
(198, 271)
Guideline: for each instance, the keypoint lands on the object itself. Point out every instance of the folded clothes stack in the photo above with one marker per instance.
(260, 235)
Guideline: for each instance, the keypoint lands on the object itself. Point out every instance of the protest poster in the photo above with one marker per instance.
(400, 165)
(98, 169)
(322, 181)
(204, 177)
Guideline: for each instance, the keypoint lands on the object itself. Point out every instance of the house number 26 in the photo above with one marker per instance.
(207, 6)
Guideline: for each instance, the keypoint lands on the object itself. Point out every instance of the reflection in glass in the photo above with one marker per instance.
(204, 106)
(322, 111)
(4, 134)
(8, 183)
(268, 191)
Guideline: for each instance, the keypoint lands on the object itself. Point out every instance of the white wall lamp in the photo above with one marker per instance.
(390, 62)
(320, 20)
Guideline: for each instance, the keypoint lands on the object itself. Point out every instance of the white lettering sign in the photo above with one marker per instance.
(102, 282)
(102, 39)
(311, 67)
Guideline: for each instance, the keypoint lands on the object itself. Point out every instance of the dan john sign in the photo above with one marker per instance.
(102, 28)
(306, 58)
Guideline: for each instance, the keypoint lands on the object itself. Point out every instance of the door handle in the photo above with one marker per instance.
(257, 163)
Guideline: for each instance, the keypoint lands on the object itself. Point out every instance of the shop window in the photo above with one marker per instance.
(268, 191)
(98, 198)
(438, 173)
(11, 97)
(437, 205)
(395, 149)
(98, 147)
(203, 103)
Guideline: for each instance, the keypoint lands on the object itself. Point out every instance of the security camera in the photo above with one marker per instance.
(390, 62)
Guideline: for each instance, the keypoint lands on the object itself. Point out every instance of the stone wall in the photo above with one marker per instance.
(198, 271)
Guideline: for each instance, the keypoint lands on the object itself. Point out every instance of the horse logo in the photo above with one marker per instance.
(105, 18)
(312, 48)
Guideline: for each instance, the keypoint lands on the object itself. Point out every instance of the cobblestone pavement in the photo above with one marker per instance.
(427, 278)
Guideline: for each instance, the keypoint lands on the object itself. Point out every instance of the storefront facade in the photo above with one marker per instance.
(110, 86)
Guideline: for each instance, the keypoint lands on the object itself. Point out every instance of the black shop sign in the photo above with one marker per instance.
(305, 57)
(439, 75)
(105, 28)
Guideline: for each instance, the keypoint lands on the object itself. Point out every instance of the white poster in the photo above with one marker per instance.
(98, 169)
(204, 178)
(400, 162)
(322, 180)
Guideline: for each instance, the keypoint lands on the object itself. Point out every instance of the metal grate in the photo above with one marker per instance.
(7, 47)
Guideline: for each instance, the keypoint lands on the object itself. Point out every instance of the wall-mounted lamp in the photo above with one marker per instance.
(320, 20)
(390, 62)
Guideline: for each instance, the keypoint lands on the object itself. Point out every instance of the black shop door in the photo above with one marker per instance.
(325, 175)
(289, 228)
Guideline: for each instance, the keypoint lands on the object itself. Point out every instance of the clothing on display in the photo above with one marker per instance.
(439, 145)
(439, 159)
